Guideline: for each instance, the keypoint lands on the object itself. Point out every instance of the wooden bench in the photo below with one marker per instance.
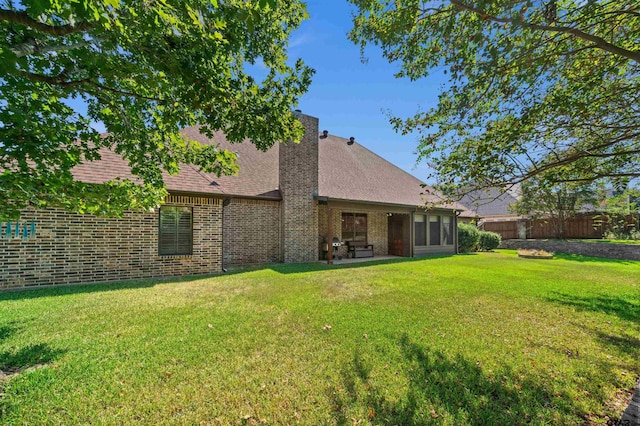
(359, 249)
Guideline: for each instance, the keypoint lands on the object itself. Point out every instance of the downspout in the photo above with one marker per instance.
(455, 236)
(329, 236)
(282, 229)
(225, 202)
(412, 236)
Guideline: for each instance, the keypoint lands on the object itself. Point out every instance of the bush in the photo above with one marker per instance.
(468, 237)
(489, 240)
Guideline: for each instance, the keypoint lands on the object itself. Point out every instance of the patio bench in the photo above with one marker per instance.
(359, 249)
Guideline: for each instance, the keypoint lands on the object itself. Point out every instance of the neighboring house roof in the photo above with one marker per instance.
(345, 172)
(491, 202)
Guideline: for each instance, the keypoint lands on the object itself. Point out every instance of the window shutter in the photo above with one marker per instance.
(185, 231)
(168, 231)
(175, 234)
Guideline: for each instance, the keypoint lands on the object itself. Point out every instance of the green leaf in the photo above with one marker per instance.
(147, 74)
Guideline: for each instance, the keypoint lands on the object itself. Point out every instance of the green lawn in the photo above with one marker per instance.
(472, 339)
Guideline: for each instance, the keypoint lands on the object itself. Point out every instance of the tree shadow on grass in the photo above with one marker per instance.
(27, 357)
(281, 268)
(294, 268)
(625, 344)
(13, 361)
(98, 287)
(443, 389)
(610, 305)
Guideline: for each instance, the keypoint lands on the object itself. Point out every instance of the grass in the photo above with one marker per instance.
(470, 339)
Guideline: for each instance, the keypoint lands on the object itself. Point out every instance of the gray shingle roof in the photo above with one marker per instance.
(352, 172)
(346, 172)
(490, 202)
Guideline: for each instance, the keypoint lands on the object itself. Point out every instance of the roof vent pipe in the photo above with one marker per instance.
(351, 140)
(325, 133)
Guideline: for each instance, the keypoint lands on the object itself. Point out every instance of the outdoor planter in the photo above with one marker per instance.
(535, 254)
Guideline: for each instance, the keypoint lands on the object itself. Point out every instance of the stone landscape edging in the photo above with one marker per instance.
(608, 250)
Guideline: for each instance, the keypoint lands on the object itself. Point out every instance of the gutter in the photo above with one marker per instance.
(415, 208)
(222, 195)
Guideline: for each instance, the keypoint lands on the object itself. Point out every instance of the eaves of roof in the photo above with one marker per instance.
(382, 204)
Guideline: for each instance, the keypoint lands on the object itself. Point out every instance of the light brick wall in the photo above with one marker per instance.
(70, 248)
(378, 232)
(377, 228)
(298, 186)
(251, 232)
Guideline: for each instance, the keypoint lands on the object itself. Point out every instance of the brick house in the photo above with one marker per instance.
(279, 208)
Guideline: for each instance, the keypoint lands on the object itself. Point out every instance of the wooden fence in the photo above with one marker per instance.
(578, 227)
(581, 226)
(507, 230)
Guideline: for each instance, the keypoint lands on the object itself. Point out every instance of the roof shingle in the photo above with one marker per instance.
(346, 172)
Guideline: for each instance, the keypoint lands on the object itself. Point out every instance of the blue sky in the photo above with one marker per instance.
(350, 97)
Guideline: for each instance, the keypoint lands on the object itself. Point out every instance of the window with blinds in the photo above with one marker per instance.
(175, 236)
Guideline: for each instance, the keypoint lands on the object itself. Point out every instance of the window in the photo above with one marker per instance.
(420, 230)
(447, 230)
(354, 227)
(434, 230)
(175, 236)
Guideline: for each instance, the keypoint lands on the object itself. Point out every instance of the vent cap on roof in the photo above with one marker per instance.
(351, 140)
(325, 133)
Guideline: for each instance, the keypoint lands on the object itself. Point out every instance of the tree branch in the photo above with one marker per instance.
(31, 48)
(57, 80)
(23, 18)
(602, 43)
(122, 92)
(60, 80)
(600, 176)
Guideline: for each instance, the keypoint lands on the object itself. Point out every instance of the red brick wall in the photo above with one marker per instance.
(251, 232)
(70, 248)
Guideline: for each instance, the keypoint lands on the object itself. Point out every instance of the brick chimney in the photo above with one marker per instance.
(298, 168)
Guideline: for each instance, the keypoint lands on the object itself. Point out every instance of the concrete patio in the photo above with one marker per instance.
(346, 260)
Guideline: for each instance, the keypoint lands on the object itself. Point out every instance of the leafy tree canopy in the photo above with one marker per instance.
(146, 69)
(546, 89)
(620, 212)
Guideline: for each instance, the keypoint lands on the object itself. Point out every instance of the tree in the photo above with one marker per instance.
(146, 70)
(535, 88)
(620, 213)
(555, 203)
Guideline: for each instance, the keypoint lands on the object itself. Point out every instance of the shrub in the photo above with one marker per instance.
(489, 240)
(468, 237)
